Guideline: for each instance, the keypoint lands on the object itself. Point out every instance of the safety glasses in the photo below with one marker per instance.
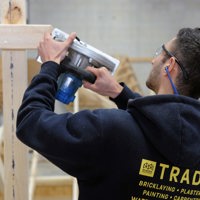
(163, 48)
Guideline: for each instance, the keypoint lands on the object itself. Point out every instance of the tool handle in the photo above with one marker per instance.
(81, 73)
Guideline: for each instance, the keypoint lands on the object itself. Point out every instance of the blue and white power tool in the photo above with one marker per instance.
(80, 55)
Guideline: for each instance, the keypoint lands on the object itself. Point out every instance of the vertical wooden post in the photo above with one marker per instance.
(14, 83)
(15, 153)
(13, 12)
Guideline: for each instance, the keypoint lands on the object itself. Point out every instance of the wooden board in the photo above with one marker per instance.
(15, 154)
(20, 37)
(13, 11)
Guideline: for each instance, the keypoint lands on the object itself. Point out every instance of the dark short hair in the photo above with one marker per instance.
(187, 49)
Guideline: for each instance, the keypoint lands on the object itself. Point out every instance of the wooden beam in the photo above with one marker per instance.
(13, 12)
(1, 155)
(14, 83)
(15, 153)
(1, 172)
(33, 170)
(19, 37)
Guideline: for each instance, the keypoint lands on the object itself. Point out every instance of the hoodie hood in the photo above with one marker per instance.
(172, 124)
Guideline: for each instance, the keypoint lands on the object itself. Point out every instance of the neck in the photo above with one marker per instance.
(166, 87)
(165, 90)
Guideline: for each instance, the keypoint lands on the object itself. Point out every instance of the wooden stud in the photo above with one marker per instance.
(13, 12)
(15, 154)
(1, 155)
(20, 37)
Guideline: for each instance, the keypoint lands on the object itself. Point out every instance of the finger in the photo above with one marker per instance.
(88, 85)
(90, 68)
(94, 70)
(104, 69)
(73, 35)
(70, 39)
(40, 45)
(47, 35)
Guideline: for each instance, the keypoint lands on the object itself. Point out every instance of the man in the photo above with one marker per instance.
(149, 148)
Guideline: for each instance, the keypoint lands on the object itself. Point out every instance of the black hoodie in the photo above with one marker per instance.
(149, 148)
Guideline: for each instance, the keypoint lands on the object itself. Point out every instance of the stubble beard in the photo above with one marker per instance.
(153, 81)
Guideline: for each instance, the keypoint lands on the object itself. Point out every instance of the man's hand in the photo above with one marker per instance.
(52, 50)
(105, 83)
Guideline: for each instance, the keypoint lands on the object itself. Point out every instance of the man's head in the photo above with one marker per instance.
(182, 56)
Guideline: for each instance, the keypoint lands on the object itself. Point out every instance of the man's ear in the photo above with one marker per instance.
(171, 64)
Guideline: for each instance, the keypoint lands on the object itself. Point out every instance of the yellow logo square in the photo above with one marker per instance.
(147, 168)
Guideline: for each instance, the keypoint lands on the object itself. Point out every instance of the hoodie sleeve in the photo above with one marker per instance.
(122, 99)
(73, 142)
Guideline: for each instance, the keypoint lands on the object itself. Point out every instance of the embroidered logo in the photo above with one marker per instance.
(147, 168)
